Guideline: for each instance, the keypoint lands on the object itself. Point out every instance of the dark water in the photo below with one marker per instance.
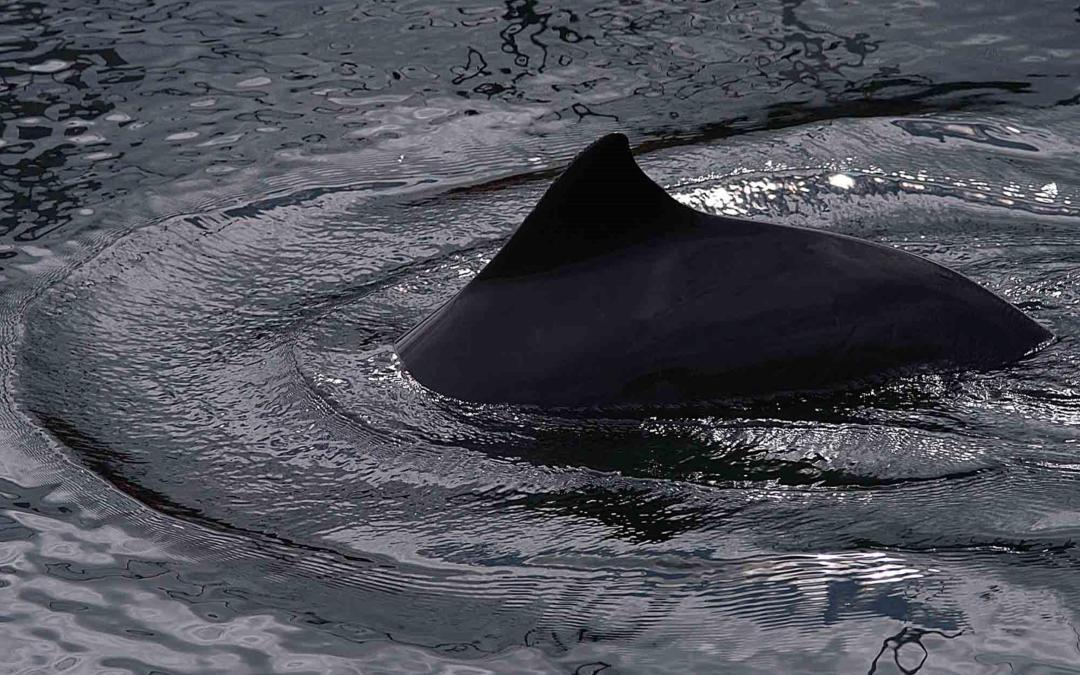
(216, 217)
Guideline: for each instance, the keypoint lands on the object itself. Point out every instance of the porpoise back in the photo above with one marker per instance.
(612, 292)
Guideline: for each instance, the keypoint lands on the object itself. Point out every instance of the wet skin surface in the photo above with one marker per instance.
(612, 293)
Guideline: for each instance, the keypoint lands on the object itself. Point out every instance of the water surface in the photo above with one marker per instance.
(219, 216)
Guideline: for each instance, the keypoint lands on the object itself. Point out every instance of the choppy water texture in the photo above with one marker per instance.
(216, 217)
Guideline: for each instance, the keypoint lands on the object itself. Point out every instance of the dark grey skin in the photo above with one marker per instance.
(611, 293)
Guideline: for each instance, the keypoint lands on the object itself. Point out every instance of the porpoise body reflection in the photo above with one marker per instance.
(612, 292)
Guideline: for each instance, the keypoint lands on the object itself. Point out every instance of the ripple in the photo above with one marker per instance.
(214, 221)
(232, 371)
(484, 87)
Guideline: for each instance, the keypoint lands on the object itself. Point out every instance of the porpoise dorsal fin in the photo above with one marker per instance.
(601, 202)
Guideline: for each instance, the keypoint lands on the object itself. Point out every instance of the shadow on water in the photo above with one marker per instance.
(908, 636)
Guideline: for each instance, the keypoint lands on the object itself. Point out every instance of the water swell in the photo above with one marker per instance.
(256, 366)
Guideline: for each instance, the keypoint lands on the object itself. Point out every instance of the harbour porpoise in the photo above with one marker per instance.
(611, 292)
